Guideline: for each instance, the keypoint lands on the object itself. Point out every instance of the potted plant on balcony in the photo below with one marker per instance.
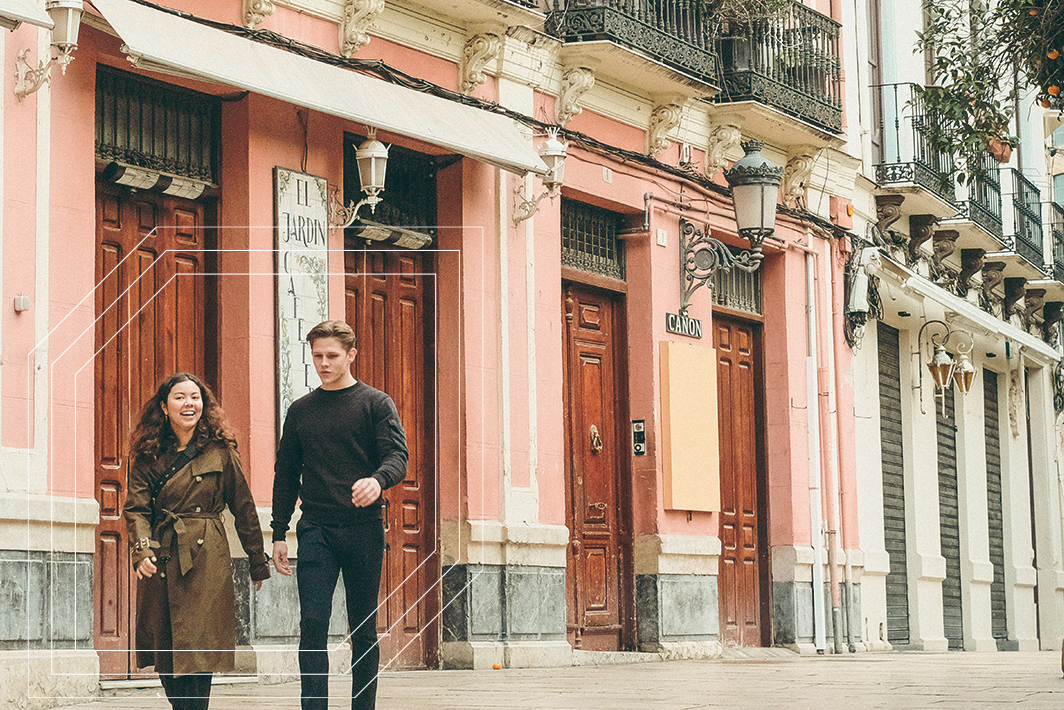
(1001, 147)
(733, 24)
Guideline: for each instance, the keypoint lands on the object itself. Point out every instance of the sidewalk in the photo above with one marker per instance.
(871, 680)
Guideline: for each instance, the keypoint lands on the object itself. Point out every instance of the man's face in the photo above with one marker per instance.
(331, 360)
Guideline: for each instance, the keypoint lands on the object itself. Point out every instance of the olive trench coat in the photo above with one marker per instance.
(186, 616)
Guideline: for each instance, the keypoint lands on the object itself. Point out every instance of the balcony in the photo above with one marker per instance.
(1056, 229)
(978, 220)
(790, 63)
(907, 163)
(668, 32)
(1022, 228)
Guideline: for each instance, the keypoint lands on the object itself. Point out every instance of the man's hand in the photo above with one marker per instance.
(365, 492)
(146, 568)
(258, 585)
(280, 558)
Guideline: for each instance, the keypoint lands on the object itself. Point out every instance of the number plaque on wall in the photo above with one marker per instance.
(302, 293)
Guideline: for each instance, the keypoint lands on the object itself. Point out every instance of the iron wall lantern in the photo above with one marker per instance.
(944, 369)
(66, 19)
(553, 153)
(755, 185)
(372, 160)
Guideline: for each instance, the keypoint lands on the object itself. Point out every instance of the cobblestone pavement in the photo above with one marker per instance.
(869, 680)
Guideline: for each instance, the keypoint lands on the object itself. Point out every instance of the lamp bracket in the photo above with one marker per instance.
(29, 80)
(523, 209)
(341, 217)
(700, 257)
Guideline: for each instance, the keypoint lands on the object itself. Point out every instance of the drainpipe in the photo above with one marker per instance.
(829, 412)
(836, 318)
(816, 522)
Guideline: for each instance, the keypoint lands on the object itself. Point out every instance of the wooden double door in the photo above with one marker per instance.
(599, 575)
(743, 574)
(151, 321)
(389, 304)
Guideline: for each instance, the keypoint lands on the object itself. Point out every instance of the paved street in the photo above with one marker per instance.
(871, 680)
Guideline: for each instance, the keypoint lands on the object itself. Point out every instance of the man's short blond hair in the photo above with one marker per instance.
(333, 329)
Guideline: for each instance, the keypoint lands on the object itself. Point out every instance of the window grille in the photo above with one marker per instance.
(737, 289)
(154, 125)
(589, 239)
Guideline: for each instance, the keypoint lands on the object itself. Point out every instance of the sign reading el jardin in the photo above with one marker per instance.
(682, 324)
(301, 288)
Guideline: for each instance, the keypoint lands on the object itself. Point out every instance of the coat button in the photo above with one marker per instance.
(200, 541)
(199, 478)
(197, 509)
(162, 574)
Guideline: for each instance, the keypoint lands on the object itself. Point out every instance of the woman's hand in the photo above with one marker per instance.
(146, 568)
(258, 584)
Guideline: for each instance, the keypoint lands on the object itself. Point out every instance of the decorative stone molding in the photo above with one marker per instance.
(358, 16)
(479, 51)
(723, 139)
(796, 174)
(971, 262)
(944, 244)
(888, 211)
(921, 228)
(664, 118)
(576, 82)
(255, 11)
(1015, 289)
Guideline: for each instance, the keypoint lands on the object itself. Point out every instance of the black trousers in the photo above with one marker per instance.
(187, 692)
(324, 552)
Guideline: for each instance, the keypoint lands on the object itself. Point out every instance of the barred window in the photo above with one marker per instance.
(589, 239)
(737, 289)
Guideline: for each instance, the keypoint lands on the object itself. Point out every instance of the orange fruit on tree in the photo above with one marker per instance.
(1045, 104)
(1052, 54)
(1053, 90)
(1034, 12)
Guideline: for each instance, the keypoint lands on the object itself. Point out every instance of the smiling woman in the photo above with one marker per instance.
(184, 472)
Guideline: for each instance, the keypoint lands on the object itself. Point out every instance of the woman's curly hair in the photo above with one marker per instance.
(154, 435)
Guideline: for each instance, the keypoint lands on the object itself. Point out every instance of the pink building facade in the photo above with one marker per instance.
(592, 468)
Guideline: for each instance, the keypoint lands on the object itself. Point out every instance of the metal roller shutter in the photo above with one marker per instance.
(949, 521)
(998, 620)
(893, 485)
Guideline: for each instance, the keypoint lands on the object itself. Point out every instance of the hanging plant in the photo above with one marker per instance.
(724, 16)
(974, 52)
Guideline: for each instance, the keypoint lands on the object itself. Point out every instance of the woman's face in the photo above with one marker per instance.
(184, 407)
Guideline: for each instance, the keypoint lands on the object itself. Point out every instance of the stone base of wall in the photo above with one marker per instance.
(793, 617)
(677, 611)
(513, 615)
(47, 679)
(279, 663)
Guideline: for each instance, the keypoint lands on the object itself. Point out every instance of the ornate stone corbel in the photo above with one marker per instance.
(888, 211)
(921, 228)
(575, 83)
(358, 16)
(255, 11)
(479, 51)
(664, 118)
(1015, 289)
(1032, 301)
(796, 175)
(993, 275)
(971, 262)
(1052, 313)
(724, 138)
(944, 244)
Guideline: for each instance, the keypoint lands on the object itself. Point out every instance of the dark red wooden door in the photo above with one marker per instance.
(390, 306)
(598, 580)
(150, 309)
(743, 554)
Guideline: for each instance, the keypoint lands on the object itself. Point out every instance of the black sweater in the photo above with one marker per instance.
(332, 438)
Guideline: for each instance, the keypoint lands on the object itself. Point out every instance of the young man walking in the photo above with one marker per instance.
(341, 445)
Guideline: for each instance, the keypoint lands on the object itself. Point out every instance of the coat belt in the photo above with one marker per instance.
(174, 523)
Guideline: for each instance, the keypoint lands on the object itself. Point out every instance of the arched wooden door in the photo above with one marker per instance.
(150, 305)
(391, 308)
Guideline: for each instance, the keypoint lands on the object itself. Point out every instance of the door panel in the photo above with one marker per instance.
(389, 304)
(150, 306)
(742, 581)
(597, 580)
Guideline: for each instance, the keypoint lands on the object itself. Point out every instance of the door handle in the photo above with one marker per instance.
(596, 440)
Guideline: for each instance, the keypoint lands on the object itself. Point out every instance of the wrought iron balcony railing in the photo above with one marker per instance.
(670, 31)
(901, 135)
(1023, 222)
(791, 62)
(1056, 230)
(983, 203)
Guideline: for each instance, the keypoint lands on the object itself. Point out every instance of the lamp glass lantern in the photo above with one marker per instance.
(372, 160)
(553, 154)
(964, 373)
(941, 367)
(755, 182)
(66, 14)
